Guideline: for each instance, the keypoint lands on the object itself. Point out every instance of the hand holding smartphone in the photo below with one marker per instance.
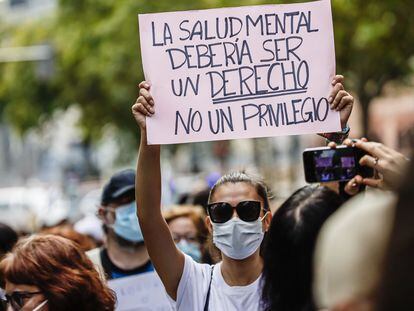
(325, 164)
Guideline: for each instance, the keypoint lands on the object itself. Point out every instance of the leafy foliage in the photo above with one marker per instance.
(97, 63)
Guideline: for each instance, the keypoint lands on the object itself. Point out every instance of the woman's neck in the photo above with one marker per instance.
(242, 272)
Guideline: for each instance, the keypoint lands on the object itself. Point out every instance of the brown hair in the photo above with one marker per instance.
(83, 241)
(62, 272)
(197, 216)
(195, 213)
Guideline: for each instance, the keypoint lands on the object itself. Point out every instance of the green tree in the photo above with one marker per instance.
(373, 45)
(26, 98)
(97, 56)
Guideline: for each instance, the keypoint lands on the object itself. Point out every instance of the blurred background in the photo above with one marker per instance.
(69, 71)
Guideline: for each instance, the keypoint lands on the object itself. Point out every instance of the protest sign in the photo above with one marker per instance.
(242, 72)
(140, 292)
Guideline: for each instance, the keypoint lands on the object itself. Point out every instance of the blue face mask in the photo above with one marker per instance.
(192, 249)
(126, 223)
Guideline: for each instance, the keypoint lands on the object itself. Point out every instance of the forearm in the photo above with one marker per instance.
(167, 260)
(148, 180)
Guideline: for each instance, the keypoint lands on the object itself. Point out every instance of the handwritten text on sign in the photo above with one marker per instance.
(140, 292)
(239, 72)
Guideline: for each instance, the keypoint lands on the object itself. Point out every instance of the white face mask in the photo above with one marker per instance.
(238, 239)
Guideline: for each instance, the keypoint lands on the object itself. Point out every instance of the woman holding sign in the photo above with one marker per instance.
(238, 217)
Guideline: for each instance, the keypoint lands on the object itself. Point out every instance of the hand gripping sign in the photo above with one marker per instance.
(242, 72)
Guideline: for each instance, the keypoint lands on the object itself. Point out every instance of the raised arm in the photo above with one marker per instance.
(343, 102)
(167, 259)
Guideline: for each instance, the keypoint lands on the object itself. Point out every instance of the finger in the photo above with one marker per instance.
(332, 145)
(134, 107)
(144, 84)
(143, 102)
(358, 179)
(338, 78)
(147, 95)
(345, 101)
(348, 142)
(142, 109)
(371, 182)
(335, 91)
(352, 142)
(352, 187)
(369, 161)
(341, 94)
(373, 148)
(138, 108)
(352, 183)
(364, 139)
(393, 154)
(147, 106)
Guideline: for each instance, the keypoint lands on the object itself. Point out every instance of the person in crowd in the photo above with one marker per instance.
(66, 230)
(238, 217)
(397, 282)
(90, 224)
(201, 198)
(350, 252)
(48, 272)
(124, 252)
(295, 227)
(189, 231)
(289, 247)
(8, 237)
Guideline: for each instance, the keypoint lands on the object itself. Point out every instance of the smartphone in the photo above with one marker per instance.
(325, 164)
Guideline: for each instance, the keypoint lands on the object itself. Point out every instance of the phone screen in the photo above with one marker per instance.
(326, 164)
(333, 165)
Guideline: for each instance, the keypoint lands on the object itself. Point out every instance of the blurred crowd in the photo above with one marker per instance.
(323, 248)
(335, 246)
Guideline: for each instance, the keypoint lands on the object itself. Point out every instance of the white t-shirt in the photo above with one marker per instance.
(193, 287)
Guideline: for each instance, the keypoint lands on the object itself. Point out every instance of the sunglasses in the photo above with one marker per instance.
(221, 212)
(16, 299)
